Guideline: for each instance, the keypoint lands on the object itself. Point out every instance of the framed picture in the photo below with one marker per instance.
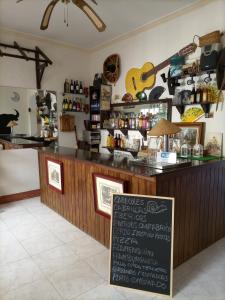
(191, 133)
(213, 143)
(104, 187)
(105, 96)
(55, 178)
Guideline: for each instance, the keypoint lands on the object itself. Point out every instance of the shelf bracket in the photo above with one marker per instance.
(39, 57)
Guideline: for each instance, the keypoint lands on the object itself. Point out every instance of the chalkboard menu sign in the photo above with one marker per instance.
(142, 243)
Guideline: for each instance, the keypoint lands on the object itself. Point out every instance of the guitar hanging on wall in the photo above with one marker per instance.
(137, 80)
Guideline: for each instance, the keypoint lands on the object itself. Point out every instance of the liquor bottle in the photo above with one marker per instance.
(119, 141)
(204, 94)
(116, 141)
(140, 121)
(74, 108)
(71, 87)
(78, 105)
(193, 96)
(108, 141)
(198, 95)
(81, 88)
(66, 86)
(77, 87)
(63, 104)
(126, 122)
(66, 105)
(70, 105)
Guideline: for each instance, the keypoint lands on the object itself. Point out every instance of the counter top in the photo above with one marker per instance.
(108, 160)
(20, 141)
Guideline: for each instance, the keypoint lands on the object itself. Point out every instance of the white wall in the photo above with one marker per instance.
(68, 62)
(18, 171)
(159, 43)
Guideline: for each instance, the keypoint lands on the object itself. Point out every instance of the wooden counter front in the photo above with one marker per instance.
(199, 193)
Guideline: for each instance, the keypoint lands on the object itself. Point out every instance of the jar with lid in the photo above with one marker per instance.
(185, 150)
(198, 150)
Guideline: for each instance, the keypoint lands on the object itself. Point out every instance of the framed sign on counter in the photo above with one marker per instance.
(141, 243)
(54, 170)
(104, 187)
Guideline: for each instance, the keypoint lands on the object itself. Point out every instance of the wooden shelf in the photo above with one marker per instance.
(134, 103)
(124, 131)
(205, 106)
(75, 95)
(77, 111)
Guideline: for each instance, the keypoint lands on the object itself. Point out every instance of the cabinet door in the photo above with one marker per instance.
(67, 123)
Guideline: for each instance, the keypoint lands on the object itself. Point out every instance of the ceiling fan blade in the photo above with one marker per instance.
(90, 13)
(47, 14)
(18, 1)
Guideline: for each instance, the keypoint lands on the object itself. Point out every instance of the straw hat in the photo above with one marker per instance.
(111, 68)
(164, 127)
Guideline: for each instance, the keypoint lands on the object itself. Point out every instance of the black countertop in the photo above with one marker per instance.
(21, 140)
(108, 160)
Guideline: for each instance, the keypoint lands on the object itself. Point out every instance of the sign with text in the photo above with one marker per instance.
(142, 243)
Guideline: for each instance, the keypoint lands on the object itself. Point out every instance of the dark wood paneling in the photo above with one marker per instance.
(19, 196)
(199, 207)
(77, 202)
(199, 201)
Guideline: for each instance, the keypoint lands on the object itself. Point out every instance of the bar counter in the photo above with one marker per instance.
(199, 193)
(13, 142)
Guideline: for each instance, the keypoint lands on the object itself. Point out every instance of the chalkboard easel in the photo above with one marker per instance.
(141, 243)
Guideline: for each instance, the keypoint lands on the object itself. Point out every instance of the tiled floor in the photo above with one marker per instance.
(43, 257)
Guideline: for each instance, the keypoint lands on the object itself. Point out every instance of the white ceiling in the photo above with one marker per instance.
(120, 16)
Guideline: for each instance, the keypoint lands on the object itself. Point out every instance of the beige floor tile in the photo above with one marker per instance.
(23, 232)
(86, 247)
(39, 290)
(40, 243)
(75, 280)
(12, 253)
(102, 292)
(100, 263)
(67, 236)
(55, 259)
(14, 275)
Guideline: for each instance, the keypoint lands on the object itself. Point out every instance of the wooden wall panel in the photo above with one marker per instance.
(77, 202)
(199, 201)
(199, 207)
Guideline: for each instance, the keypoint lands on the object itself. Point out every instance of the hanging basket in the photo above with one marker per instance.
(210, 38)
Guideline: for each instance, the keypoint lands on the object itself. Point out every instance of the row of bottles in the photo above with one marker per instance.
(73, 87)
(132, 121)
(200, 94)
(75, 105)
(117, 142)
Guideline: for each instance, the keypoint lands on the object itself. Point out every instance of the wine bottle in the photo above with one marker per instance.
(198, 95)
(66, 86)
(77, 87)
(66, 105)
(70, 105)
(193, 96)
(74, 106)
(108, 141)
(81, 88)
(71, 87)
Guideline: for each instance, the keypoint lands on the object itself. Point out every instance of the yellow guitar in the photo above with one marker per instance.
(137, 80)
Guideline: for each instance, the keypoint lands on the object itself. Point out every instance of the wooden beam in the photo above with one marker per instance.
(43, 55)
(21, 51)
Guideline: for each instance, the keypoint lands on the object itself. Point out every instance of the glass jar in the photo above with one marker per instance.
(185, 150)
(198, 150)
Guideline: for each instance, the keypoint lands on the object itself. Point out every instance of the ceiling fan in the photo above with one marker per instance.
(90, 13)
